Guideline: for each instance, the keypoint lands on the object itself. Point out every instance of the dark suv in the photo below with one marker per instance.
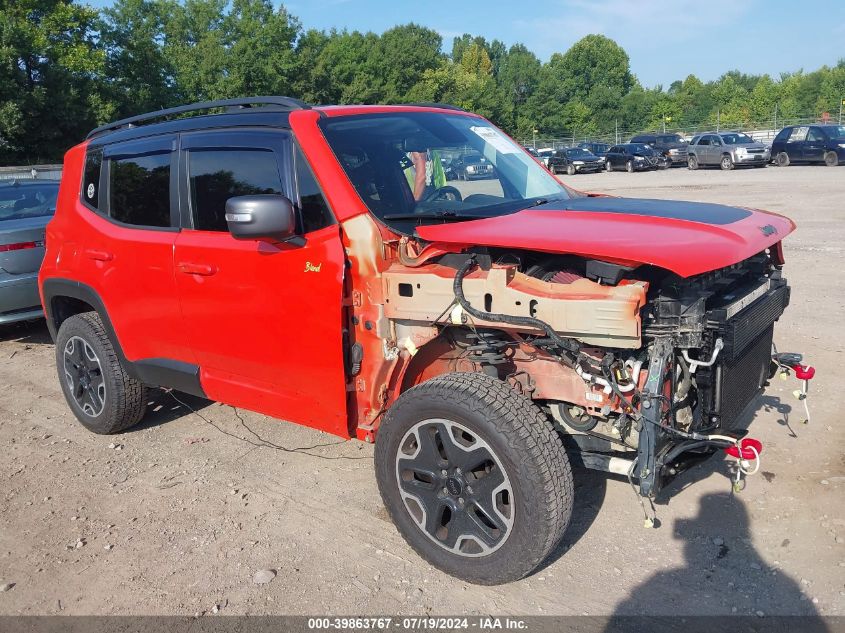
(810, 144)
(672, 146)
(313, 264)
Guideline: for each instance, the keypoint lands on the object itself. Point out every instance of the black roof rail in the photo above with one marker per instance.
(279, 103)
(432, 104)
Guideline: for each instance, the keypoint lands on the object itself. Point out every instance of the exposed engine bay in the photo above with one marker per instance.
(643, 371)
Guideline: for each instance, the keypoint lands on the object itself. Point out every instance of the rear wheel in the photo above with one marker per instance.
(474, 477)
(103, 397)
(831, 159)
(726, 163)
(782, 159)
(692, 162)
(570, 170)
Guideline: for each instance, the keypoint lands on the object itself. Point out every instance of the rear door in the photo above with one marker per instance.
(814, 145)
(264, 318)
(795, 143)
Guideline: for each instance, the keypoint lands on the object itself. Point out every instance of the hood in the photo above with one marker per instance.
(687, 238)
(674, 145)
(751, 145)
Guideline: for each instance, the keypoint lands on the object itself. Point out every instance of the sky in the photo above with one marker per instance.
(665, 39)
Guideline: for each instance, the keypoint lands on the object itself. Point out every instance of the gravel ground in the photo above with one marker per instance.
(179, 515)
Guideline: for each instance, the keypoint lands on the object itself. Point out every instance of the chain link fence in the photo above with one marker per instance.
(762, 131)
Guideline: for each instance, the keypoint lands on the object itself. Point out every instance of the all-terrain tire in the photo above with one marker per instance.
(124, 399)
(523, 444)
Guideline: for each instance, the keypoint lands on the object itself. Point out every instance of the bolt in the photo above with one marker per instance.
(445, 492)
(461, 501)
(646, 404)
(469, 489)
(444, 472)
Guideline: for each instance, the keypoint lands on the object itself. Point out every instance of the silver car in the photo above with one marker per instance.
(25, 209)
(726, 149)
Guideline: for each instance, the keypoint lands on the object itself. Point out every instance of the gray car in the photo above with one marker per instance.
(727, 150)
(25, 209)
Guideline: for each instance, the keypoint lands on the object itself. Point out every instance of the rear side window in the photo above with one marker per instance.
(91, 178)
(215, 176)
(313, 206)
(798, 134)
(139, 189)
(816, 135)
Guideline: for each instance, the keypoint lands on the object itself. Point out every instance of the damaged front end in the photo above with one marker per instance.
(644, 371)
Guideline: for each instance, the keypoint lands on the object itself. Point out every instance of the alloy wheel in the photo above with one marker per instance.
(84, 376)
(454, 487)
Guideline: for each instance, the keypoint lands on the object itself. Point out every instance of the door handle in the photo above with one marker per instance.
(197, 269)
(100, 256)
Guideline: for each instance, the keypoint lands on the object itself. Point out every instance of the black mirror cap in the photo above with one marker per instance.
(261, 216)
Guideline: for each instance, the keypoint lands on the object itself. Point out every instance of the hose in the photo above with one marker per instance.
(569, 346)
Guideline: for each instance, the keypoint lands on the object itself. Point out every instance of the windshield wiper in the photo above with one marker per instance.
(440, 215)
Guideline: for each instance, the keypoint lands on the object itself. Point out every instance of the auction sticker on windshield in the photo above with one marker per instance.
(494, 138)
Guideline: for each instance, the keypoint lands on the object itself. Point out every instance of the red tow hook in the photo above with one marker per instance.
(747, 453)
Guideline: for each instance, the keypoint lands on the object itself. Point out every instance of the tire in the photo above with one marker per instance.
(553, 170)
(518, 449)
(608, 167)
(726, 162)
(831, 159)
(782, 159)
(102, 396)
(692, 162)
(629, 167)
(570, 170)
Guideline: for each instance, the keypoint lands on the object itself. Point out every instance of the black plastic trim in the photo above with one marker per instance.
(160, 372)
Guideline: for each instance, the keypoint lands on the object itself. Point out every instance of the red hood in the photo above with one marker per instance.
(687, 238)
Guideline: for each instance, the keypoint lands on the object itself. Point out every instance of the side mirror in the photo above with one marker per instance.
(254, 217)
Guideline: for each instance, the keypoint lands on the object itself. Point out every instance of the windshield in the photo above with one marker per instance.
(670, 138)
(735, 138)
(835, 131)
(27, 201)
(395, 162)
(641, 148)
(578, 153)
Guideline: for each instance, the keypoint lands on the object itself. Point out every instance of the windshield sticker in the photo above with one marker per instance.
(494, 138)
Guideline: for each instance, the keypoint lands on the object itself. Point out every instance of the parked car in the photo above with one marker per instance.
(810, 144)
(471, 336)
(574, 160)
(631, 157)
(25, 208)
(598, 149)
(545, 154)
(472, 166)
(727, 150)
(672, 146)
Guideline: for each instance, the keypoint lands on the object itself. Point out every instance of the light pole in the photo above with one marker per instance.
(534, 142)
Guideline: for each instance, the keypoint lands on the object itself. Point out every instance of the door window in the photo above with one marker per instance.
(704, 140)
(798, 134)
(217, 175)
(313, 208)
(139, 188)
(816, 135)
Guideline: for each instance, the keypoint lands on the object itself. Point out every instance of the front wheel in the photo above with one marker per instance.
(782, 159)
(726, 163)
(474, 477)
(570, 170)
(831, 159)
(692, 162)
(102, 396)
(608, 166)
(629, 167)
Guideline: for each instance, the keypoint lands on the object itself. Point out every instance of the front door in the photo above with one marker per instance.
(265, 318)
(814, 145)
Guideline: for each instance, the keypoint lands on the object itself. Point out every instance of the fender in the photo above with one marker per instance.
(157, 372)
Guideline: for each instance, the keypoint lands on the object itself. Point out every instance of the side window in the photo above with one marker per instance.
(798, 134)
(815, 134)
(217, 175)
(91, 178)
(139, 189)
(783, 134)
(704, 140)
(314, 209)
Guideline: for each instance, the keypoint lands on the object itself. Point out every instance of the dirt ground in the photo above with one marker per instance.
(177, 515)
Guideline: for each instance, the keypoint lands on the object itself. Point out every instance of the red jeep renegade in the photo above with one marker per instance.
(326, 266)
